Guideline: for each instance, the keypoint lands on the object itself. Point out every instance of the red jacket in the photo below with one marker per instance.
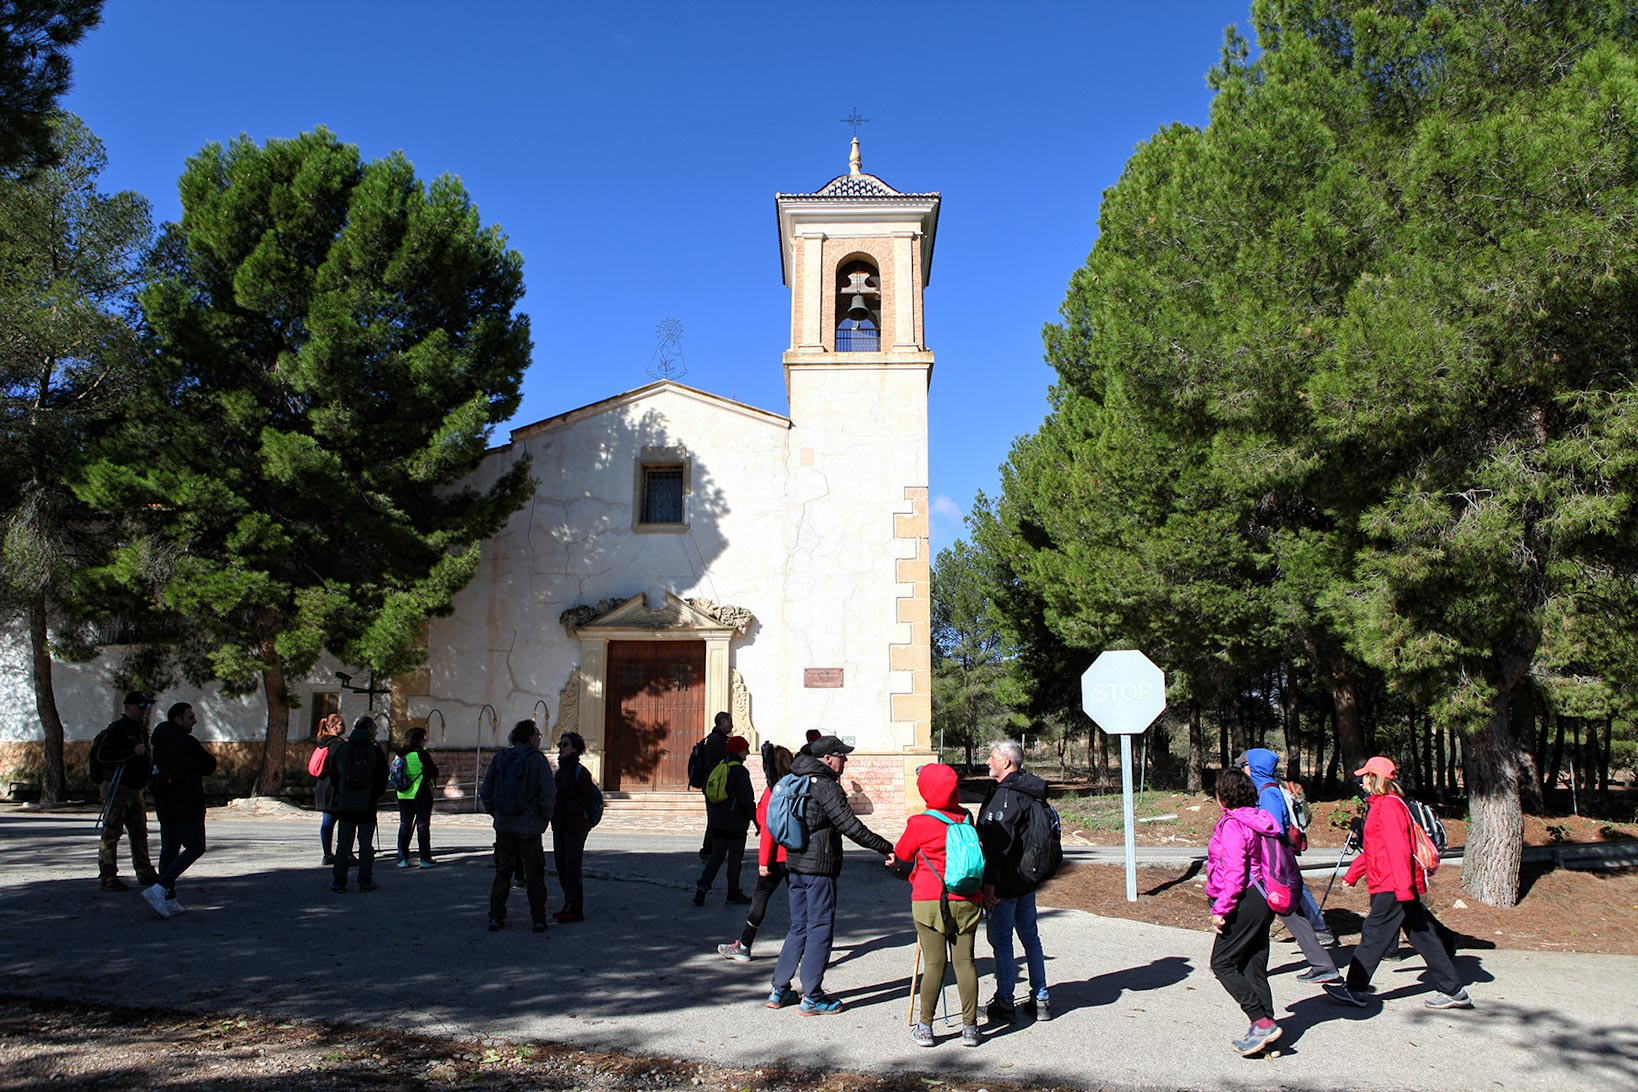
(1386, 861)
(923, 840)
(768, 850)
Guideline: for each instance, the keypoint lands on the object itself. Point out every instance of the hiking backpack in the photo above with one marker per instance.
(697, 773)
(716, 786)
(594, 810)
(511, 785)
(963, 857)
(1043, 842)
(1281, 876)
(1298, 815)
(1427, 835)
(360, 767)
(788, 811)
(398, 774)
(99, 770)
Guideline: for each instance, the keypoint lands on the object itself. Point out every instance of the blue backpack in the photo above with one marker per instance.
(963, 857)
(788, 811)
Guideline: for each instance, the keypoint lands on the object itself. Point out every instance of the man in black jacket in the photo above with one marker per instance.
(181, 765)
(358, 775)
(1002, 820)
(813, 873)
(124, 749)
(708, 752)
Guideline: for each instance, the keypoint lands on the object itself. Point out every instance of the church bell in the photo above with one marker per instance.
(858, 311)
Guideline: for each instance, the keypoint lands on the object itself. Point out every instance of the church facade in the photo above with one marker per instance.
(684, 553)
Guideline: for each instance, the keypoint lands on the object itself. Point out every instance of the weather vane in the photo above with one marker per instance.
(667, 362)
(855, 121)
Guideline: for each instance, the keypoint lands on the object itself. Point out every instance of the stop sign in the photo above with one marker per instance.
(1123, 691)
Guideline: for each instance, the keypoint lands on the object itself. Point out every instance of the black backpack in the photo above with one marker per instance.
(99, 770)
(360, 767)
(511, 785)
(1043, 840)
(697, 771)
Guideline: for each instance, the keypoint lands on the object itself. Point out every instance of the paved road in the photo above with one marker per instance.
(1136, 1006)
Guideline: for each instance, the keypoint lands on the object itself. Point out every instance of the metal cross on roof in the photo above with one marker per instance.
(854, 120)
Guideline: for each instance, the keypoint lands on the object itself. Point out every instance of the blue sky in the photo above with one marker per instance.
(632, 150)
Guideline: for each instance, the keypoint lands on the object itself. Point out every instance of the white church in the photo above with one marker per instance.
(685, 553)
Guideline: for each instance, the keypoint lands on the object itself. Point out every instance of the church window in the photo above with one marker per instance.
(661, 501)
(858, 308)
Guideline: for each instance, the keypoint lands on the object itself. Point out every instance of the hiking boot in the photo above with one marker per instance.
(1319, 974)
(156, 899)
(921, 1035)
(778, 999)
(1037, 1008)
(820, 1005)
(1457, 1000)
(739, 898)
(1339, 991)
(539, 927)
(366, 886)
(495, 924)
(1256, 1039)
(735, 951)
(403, 862)
(428, 863)
(113, 883)
(699, 896)
(969, 1035)
(329, 860)
(998, 1011)
(1326, 937)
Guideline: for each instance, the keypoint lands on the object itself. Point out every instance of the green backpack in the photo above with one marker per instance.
(716, 785)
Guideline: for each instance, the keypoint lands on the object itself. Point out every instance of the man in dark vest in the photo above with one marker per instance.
(181, 765)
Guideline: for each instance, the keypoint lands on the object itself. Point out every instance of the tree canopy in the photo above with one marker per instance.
(35, 36)
(333, 342)
(1353, 363)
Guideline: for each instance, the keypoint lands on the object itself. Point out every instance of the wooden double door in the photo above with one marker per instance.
(654, 713)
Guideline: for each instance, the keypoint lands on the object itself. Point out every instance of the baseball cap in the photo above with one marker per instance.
(137, 697)
(1382, 767)
(827, 745)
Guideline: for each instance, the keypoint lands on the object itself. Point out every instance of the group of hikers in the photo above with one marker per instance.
(962, 872)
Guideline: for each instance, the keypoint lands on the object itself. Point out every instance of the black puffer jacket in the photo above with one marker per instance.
(1001, 821)
(828, 818)
(186, 764)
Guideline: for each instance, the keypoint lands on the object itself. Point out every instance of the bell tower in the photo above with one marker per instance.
(856, 255)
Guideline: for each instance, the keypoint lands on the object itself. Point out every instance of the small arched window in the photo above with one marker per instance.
(858, 308)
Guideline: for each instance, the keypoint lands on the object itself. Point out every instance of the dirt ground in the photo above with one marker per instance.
(1559, 910)
(66, 1045)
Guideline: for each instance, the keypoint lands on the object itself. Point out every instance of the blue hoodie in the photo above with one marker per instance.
(1262, 764)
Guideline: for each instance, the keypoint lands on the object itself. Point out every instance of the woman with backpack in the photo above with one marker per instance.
(572, 819)
(1395, 881)
(419, 775)
(1240, 916)
(944, 906)
(770, 857)
(324, 790)
(730, 807)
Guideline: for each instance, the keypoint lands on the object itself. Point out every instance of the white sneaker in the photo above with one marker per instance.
(156, 899)
(175, 906)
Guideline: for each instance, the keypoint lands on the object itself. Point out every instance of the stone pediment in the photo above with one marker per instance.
(674, 615)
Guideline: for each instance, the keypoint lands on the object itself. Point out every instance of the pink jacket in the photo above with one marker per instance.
(1234, 859)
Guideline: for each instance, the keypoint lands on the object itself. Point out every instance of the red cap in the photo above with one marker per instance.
(1382, 767)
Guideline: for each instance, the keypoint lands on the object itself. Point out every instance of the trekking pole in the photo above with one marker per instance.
(108, 802)
(1341, 853)
(915, 973)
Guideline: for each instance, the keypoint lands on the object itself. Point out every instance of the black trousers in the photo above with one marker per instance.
(724, 845)
(1432, 941)
(765, 887)
(569, 857)
(415, 815)
(1239, 956)
(510, 850)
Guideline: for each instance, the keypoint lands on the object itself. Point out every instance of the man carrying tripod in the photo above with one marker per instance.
(119, 761)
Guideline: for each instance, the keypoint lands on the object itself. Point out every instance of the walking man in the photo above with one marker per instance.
(359, 777)
(813, 873)
(123, 750)
(1003, 820)
(520, 792)
(726, 821)
(707, 753)
(180, 767)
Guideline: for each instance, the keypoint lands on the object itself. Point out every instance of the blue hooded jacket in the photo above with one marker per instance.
(1263, 764)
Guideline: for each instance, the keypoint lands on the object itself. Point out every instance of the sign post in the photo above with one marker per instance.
(1123, 692)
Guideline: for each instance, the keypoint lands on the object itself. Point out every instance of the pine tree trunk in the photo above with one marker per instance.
(53, 772)
(1197, 750)
(278, 722)
(1550, 782)
(1604, 767)
(1495, 833)
(1292, 726)
(1350, 735)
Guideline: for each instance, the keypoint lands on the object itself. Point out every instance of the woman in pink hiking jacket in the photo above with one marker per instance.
(1239, 911)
